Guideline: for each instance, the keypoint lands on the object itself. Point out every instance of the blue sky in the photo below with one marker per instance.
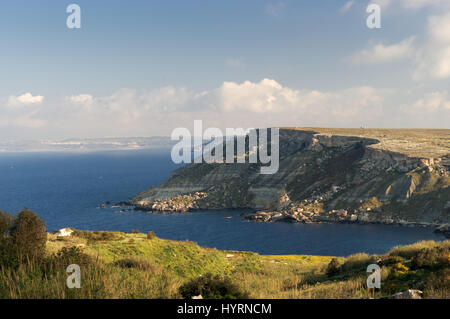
(146, 67)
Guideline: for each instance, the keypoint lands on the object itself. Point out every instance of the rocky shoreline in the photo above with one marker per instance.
(190, 203)
(444, 230)
(339, 217)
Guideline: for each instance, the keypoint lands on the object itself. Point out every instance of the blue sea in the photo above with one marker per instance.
(66, 190)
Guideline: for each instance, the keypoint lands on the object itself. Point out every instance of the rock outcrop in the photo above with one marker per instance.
(408, 294)
(444, 230)
(322, 178)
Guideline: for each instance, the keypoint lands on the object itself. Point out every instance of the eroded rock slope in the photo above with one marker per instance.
(322, 177)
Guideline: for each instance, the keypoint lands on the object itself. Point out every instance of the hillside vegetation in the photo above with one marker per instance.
(120, 265)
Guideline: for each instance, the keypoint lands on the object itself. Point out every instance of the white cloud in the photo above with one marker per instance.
(433, 59)
(411, 4)
(24, 99)
(380, 53)
(432, 102)
(81, 98)
(347, 6)
(129, 112)
(246, 104)
(265, 96)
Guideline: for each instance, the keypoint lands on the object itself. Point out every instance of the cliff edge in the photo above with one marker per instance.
(325, 175)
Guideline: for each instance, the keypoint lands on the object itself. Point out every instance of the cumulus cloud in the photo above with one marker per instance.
(433, 59)
(24, 99)
(22, 111)
(380, 53)
(130, 112)
(265, 96)
(81, 98)
(429, 54)
(411, 4)
(432, 102)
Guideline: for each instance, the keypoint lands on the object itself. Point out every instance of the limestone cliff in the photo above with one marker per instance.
(386, 176)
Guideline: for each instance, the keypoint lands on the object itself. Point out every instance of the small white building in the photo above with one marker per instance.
(64, 232)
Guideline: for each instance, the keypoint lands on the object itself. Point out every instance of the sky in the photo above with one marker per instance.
(144, 68)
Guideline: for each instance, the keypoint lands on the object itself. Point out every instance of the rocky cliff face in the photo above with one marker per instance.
(322, 178)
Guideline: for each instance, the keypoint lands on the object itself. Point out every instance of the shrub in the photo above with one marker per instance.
(400, 268)
(437, 285)
(211, 287)
(357, 262)
(151, 235)
(65, 257)
(98, 235)
(424, 258)
(431, 258)
(333, 267)
(8, 254)
(412, 250)
(71, 255)
(390, 260)
(137, 263)
(29, 236)
(444, 259)
(6, 221)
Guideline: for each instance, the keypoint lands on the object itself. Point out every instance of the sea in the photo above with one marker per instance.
(66, 189)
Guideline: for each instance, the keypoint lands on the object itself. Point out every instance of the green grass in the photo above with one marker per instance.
(132, 266)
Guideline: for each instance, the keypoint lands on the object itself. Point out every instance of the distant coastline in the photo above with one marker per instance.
(86, 144)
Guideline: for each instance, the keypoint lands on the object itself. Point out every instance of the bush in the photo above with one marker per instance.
(437, 285)
(333, 268)
(71, 255)
(8, 254)
(211, 287)
(400, 268)
(444, 260)
(65, 257)
(28, 236)
(431, 258)
(151, 235)
(412, 250)
(98, 235)
(357, 262)
(6, 221)
(390, 260)
(140, 264)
